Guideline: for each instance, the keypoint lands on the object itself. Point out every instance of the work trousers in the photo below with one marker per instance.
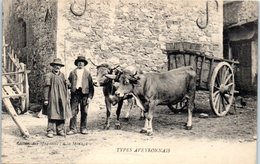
(78, 99)
(58, 123)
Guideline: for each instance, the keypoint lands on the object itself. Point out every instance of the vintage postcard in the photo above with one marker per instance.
(129, 81)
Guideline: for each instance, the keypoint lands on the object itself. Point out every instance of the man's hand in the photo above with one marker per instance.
(45, 102)
(67, 82)
(89, 100)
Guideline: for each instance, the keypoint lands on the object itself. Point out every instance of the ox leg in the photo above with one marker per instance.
(129, 103)
(142, 117)
(118, 111)
(144, 129)
(190, 104)
(150, 119)
(108, 107)
(189, 119)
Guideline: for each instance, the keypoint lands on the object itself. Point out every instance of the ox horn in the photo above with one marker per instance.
(135, 73)
(115, 67)
(92, 62)
(113, 77)
(132, 77)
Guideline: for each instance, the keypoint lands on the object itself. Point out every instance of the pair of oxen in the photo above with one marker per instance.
(147, 89)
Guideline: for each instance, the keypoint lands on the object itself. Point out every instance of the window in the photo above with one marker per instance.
(21, 33)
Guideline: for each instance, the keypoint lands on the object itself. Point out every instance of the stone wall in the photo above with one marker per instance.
(129, 31)
(240, 12)
(136, 31)
(39, 44)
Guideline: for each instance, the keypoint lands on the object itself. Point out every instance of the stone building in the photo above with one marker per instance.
(132, 31)
(241, 40)
(30, 28)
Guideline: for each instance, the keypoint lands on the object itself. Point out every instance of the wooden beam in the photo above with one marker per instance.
(13, 73)
(16, 88)
(14, 116)
(13, 95)
(201, 71)
(26, 87)
(11, 84)
(7, 90)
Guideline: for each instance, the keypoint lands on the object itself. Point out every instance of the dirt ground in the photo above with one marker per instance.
(221, 140)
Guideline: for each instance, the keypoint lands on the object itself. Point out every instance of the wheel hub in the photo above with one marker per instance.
(223, 89)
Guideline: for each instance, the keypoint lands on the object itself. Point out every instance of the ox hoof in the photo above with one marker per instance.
(117, 127)
(188, 127)
(126, 119)
(106, 127)
(114, 103)
(143, 131)
(142, 118)
(149, 133)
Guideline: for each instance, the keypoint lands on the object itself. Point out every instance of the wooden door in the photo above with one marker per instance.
(241, 51)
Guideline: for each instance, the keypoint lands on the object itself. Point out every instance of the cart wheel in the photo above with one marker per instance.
(180, 106)
(222, 86)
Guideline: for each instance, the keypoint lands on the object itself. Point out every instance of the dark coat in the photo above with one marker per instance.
(87, 83)
(56, 94)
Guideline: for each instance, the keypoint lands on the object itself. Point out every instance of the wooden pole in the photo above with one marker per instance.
(21, 87)
(26, 87)
(12, 63)
(14, 116)
(4, 53)
(12, 73)
(14, 95)
(6, 79)
(8, 62)
(20, 78)
(11, 84)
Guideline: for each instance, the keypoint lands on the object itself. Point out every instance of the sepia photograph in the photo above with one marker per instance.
(129, 81)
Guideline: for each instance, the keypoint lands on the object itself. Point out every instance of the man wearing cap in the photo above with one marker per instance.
(55, 99)
(82, 91)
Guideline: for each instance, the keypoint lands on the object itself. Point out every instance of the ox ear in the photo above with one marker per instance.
(134, 79)
(113, 77)
(137, 81)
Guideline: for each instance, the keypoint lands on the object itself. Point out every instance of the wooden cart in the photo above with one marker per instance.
(213, 74)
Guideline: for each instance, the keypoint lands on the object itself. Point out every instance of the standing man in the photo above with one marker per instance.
(55, 99)
(82, 91)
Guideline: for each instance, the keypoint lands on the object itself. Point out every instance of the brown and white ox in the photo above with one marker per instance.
(154, 89)
(106, 78)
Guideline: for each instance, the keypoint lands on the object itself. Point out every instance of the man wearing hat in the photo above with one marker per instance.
(82, 91)
(55, 99)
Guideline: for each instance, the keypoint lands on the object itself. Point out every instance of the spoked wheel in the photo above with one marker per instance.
(222, 87)
(180, 106)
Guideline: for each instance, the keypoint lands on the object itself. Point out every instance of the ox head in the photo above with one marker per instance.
(104, 74)
(127, 81)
